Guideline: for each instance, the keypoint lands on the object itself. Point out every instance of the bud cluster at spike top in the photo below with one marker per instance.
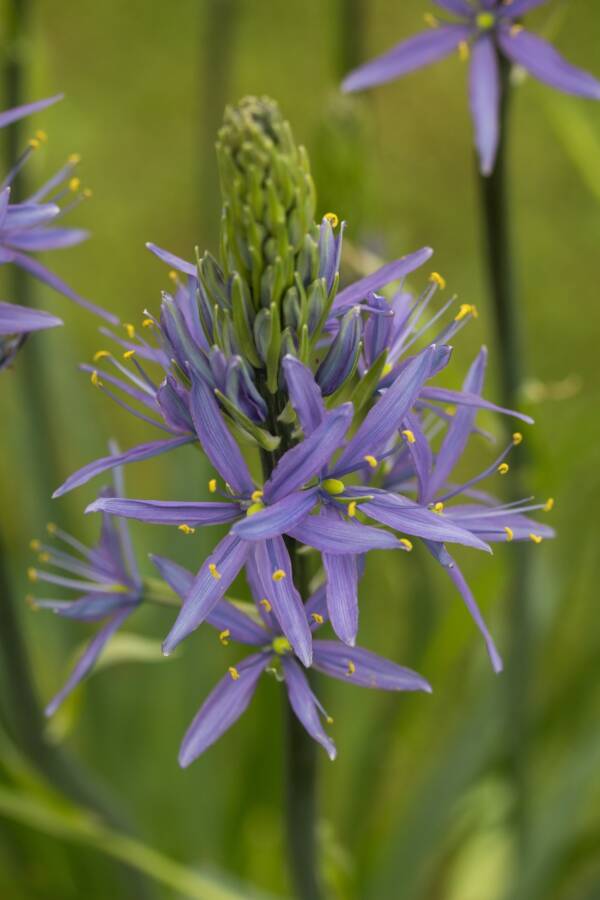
(335, 392)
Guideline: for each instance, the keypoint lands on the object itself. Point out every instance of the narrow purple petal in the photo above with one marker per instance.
(89, 608)
(275, 571)
(305, 394)
(542, 61)
(89, 657)
(461, 398)
(355, 665)
(136, 454)
(341, 537)
(342, 595)
(223, 706)
(166, 512)
(209, 585)
(47, 239)
(21, 320)
(175, 262)
(216, 439)
(492, 525)
(484, 92)
(302, 701)
(19, 112)
(393, 271)
(308, 458)
(277, 518)
(317, 603)
(28, 215)
(420, 453)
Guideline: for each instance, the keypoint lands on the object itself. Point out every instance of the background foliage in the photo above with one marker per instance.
(420, 803)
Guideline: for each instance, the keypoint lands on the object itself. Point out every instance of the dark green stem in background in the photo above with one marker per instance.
(350, 34)
(498, 237)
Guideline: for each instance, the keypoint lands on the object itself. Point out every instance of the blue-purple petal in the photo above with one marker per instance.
(341, 537)
(393, 271)
(355, 665)
(305, 394)
(278, 517)
(484, 92)
(302, 701)
(542, 61)
(175, 262)
(21, 319)
(342, 595)
(19, 112)
(166, 512)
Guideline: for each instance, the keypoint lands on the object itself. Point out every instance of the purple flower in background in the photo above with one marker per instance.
(232, 695)
(486, 30)
(105, 577)
(16, 323)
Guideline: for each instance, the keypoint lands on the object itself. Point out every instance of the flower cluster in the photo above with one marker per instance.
(335, 391)
(487, 31)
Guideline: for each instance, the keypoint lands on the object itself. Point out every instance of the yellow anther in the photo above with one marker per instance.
(515, 30)
(281, 645)
(100, 354)
(430, 20)
(33, 143)
(186, 529)
(549, 504)
(128, 354)
(212, 485)
(371, 460)
(74, 184)
(266, 605)
(256, 495)
(148, 323)
(130, 329)
(450, 410)
(329, 720)
(173, 276)
(503, 468)
(44, 557)
(333, 486)
(74, 159)
(517, 438)
(224, 636)
(536, 538)
(34, 544)
(234, 673)
(351, 668)
(95, 379)
(406, 543)
(278, 575)
(255, 508)
(463, 51)
(387, 369)
(438, 507)
(466, 309)
(332, 219)
(30, 601)
(352, 509)
(409, 435)
(214, 571)
(41, 136)
(87, 193)
(436, 278)
(51, 528)
(317, 617)
(32, 573)
(509, 533)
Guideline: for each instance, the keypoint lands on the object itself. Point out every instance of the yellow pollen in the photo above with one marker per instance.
(317, 617)
(186, 529)
(438, 507)
(74, 159)
(549, 504)
(351, 668)
(234, 673)
(332, 219)
(509, 533)
(515, 30)
(41, 136)
(517, 438)
(329, 720)
(536, 538)
(51, 528)
(333, 486)
(224, 636)
(450, 410)
(173, 275)
(466, 309)
(32, 573)
(256, 496)
(430, 20)
(44, 557)
(463, 51)
(406, 543)
(212, 485)
(129, 328)
(255, 508)
(100, 354)
(266, 605)
(33, 143)
(352, 509)
(34, 544)
(503, 468)
(281, 645)
(436, 278)
(128, 354)
(371, 460)
(87, 193)
(95, 379)
(409, 435)
(148, 323)
(387, 369)
(214, 571)
(278, 575)
(74, 184)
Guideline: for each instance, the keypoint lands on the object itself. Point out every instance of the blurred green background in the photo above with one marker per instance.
(421, 803)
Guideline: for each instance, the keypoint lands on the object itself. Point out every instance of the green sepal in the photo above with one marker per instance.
(368, 384)
(274, 349)
(241, 304)
(261, 436)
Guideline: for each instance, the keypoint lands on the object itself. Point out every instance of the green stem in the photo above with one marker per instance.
(498, 236)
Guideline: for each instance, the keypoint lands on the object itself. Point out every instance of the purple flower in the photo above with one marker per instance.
(20, 112)
(16, 323)
(106, 579)
(260, 629)
(488, 29)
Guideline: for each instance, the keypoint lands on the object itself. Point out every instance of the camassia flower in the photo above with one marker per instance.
(486, 30)
(230, 698)
(16, 322)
